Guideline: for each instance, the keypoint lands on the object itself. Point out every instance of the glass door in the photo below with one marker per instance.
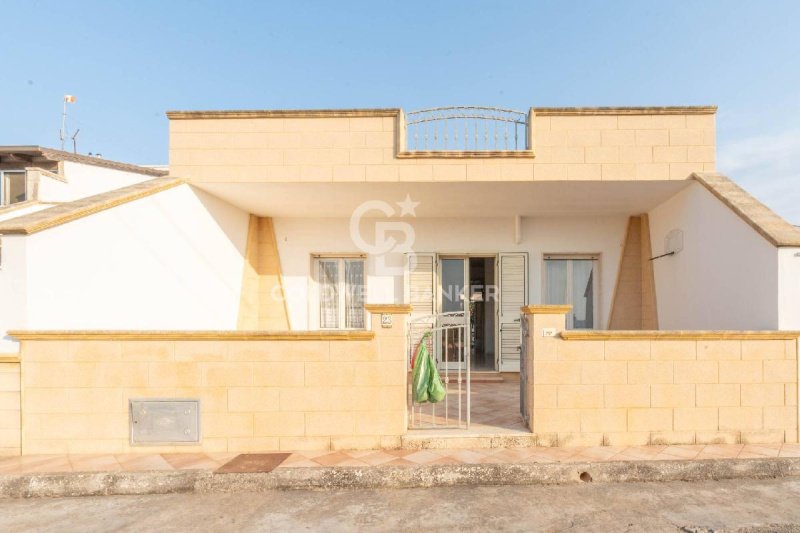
(452, 276)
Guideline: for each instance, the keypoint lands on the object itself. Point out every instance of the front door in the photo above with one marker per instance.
(453, 279)
(471, 280)
(496, 285)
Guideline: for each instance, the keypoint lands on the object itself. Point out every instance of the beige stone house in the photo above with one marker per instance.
(585, 273)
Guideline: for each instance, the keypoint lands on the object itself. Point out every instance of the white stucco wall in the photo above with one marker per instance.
(299, 238)
(87, 180)
(173, 260)
(726, 277)
(12, 287)
(789, 287)
(52, 189)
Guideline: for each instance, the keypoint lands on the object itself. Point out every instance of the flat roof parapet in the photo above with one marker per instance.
(395, 111)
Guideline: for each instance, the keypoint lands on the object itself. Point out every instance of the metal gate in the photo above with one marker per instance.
(523, 370)
(449, 342)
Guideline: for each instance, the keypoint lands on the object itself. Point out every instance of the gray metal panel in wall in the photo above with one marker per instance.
(165, 421)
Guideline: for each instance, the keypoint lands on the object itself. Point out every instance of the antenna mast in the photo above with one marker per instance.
(62, 134)
(74, 141)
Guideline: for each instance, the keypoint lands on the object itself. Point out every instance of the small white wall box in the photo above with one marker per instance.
(164, 421)
(386, 320)
(548, 332)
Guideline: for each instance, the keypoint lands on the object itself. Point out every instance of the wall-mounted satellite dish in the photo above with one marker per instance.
(673, 242)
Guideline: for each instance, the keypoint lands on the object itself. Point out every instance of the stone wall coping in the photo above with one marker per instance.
(397, 309)
(546, 309)
(757, 215)
(230, 335)
(56, 176)
(284, 113)
(19, 206)
(626, 110)
(656, 335)
(69, 211)
(395, 111)
(51, 154)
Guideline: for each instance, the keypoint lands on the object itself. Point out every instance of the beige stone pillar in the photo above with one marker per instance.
(545, 324)
(390, 324)
(263, 301)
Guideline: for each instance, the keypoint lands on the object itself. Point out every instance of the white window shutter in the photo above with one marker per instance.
(420, 289)
(421, 273)
(513, 295)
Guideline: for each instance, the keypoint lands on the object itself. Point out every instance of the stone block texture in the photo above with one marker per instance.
(256, 395)
(646, 146)
(9, 408)
(634, 304)
(263, 304)
(684, 390)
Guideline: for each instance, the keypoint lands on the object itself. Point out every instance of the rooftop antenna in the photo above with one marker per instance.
(75, 142)
(68, 99)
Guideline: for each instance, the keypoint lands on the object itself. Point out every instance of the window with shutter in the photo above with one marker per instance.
(340, 292)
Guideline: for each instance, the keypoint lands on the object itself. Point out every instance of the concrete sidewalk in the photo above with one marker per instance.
(79, 475)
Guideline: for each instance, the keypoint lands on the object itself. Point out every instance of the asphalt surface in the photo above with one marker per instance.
(735, 505)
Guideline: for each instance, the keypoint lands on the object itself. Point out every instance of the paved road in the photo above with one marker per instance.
(725, 505)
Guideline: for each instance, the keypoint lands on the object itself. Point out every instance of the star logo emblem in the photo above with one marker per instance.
(408, 206)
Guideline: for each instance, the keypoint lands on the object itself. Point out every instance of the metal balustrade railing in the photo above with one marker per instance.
(466, 128)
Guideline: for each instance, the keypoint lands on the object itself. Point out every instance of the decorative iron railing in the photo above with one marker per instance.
(464, 128)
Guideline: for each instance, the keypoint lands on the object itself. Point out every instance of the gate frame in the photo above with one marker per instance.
(524, 353)
(439, 323)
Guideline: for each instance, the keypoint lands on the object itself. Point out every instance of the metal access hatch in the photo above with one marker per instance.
(164, 421)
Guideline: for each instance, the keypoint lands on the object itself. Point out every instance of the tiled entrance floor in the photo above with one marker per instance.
(495, 409)
(212, 461)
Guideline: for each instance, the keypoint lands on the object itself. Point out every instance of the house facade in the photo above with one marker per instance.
(288, 266)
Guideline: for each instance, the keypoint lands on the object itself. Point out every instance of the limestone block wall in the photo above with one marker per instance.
(9, 406)
(263, 302)
(368, 145)
(634, 304)
(659, 387)
(258, 391)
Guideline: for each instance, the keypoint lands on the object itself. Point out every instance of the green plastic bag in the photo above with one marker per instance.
(421, 375)
(426, 384)
(436, 389)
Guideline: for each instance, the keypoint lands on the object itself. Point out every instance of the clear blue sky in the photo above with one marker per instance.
(129, 62)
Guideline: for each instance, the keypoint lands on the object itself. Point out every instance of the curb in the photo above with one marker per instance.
(390, 477)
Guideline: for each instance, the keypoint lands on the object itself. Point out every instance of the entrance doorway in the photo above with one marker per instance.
(470, 306)
(473, 280)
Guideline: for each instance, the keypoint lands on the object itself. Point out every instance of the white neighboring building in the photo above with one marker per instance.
(33, 179)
